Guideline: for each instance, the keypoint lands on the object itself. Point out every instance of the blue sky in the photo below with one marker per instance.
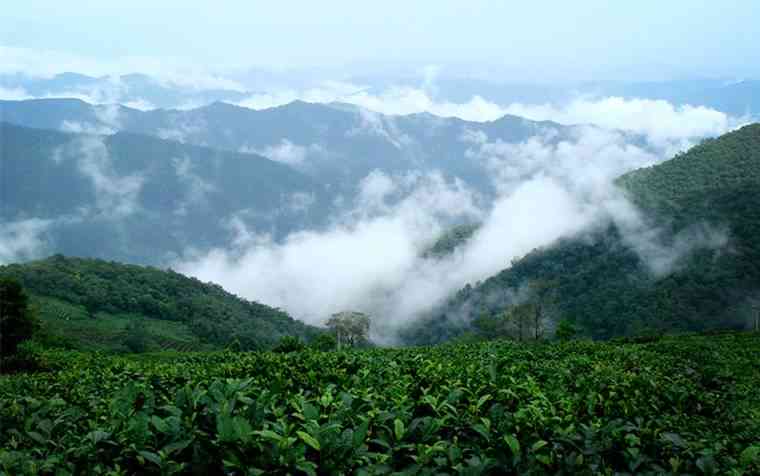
(554, 40)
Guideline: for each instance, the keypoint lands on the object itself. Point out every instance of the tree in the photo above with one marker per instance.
(520, 319)
(289, 344)
(324, 342)
(351, 328)
(137, 336)
(17, 320)
(565, 330)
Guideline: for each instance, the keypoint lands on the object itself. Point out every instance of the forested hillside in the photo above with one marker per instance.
(599, 284)
(102, 305)
(152, 198)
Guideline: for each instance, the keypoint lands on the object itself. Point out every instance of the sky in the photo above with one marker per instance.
(537, 40)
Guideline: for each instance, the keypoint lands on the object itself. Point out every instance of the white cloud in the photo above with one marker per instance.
(286, 152)
(197, 187)
(46, 63)
(116, 196)
(22, 240)
(13, 94)
(665, 126)
(370, 259)
(662, 123)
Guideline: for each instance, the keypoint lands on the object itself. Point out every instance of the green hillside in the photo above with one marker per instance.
(100, 305)
(599, 284)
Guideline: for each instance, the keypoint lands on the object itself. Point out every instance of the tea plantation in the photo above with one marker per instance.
(678, 405)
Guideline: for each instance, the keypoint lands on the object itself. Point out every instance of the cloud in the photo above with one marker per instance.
(21, 240)
(663, 124)
(46, 63)
(286, 152)
(362, 261)
(371, 259)
(13, 94)
(372, 123)
(197, 187)
(116, 196)
(397, 100)
(299, 202)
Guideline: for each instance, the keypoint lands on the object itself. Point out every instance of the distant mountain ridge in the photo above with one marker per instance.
(334, 144)
(135, 88)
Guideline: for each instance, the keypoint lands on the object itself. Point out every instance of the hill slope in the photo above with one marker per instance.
(600, 283)
(93, 302)
(152, 198)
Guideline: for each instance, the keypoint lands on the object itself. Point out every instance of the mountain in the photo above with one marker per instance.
(697, 268)
(138, 89)
(96, 304)
(141, 199)
(335, 144)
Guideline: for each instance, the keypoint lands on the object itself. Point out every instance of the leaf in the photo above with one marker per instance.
(360, 433)
(675, 439)
(514, 445)
(538, 445)
(150, 456)
(307, 467)
(159, 424)
(243, 429)
(269, 434)
(309, 440)
(483, 400)
(176, 446)
(398, 428)
(310, 411)
(97, 436)
(749, 455)
(225, 428)
(36, 437)
(482, 431)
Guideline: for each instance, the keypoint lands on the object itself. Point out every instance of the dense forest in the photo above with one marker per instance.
(600, 286)
(95, 304)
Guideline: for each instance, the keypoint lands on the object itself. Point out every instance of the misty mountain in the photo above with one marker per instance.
(693, 265)
(92, 303)
(336, 144)
(141, 199)
(138, 89)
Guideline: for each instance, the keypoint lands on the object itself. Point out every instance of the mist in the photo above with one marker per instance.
(371, 258)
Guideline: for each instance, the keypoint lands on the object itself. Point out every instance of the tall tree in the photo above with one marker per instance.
(350, 327)
(17, 320)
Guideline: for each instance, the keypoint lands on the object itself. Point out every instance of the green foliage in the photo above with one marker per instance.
(566, 330)
(73, 290)
(451, 240)
(289, 344)
(17, 321)
(324, 342)
(687, 405)
(137, 336)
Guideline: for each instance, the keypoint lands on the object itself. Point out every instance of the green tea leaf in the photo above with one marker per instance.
(309, 440)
